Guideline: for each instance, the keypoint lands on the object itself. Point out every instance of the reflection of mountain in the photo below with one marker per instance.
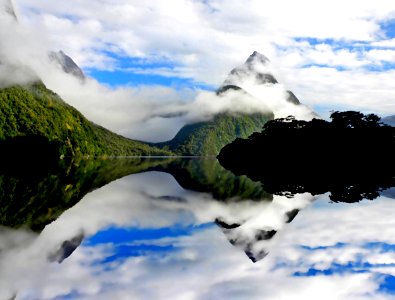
(66, 249)
(256, 222)
(208, 176)
(247, 215)
(351, 157)
(254, 235)
(34, 199)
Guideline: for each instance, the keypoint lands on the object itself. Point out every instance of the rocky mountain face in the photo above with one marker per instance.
(256, 69)
(67, 64)
(8, 7)
(252, 78)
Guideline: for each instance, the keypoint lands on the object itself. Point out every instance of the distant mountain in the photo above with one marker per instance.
(254, 70)
(390, 120)
(60, 58)
(208, 137)
(67, 64)
(33, 110)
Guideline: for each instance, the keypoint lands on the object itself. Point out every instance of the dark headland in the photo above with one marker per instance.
(352, 157)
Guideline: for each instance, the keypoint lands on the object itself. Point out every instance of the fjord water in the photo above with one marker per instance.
(185, 229)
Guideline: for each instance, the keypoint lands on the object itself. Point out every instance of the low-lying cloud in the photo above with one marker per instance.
(152, 113)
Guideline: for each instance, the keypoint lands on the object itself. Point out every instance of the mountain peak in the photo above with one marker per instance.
(8, 7)
(257, 57)
(67, 64)
(255, 68)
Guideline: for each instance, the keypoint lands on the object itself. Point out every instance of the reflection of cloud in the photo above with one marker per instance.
(317, 256)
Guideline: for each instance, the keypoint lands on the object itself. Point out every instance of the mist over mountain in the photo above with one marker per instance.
(7, 6)
(32, 113)
(256, 68)
(238, 113)
(256, 78)
(67, 64)
(142, 113)
(248, 98)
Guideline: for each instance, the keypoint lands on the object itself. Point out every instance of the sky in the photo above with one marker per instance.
(334, 55)
(141, 245)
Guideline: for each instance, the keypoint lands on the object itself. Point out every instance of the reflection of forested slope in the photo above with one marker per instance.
(34, 199)
(351, 157)
(208, 176)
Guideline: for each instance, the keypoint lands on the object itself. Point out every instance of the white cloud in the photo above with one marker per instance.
(204, 265)
(203, 40)
(382, 55)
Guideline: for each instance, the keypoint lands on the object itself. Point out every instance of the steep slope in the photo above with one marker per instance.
(255, 71)
(254, 80)
(7, 7)
(67, 64)
(33, 110)
(207, 138)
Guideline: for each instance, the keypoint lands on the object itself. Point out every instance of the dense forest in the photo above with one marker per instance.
(352, 156)
(34, 110)
(208, 137)
(33, 197)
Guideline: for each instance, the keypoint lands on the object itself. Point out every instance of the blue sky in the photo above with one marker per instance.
(194, 44)
(147, 59)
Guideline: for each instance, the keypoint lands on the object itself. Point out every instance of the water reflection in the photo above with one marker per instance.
(146, 236)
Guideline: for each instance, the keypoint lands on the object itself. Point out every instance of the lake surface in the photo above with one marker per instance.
(186, 229)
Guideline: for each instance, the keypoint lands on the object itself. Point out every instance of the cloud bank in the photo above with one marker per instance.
(138, 112)
(312, 257)
(330, 54)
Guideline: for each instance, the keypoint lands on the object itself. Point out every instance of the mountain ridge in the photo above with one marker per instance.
(34, 110)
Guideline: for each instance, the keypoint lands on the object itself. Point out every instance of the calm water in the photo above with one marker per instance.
(186, 229)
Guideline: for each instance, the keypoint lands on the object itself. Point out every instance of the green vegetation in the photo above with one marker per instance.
(34, 199)
(35, 110)
(206, 175)
(209, 137)
(351, 157)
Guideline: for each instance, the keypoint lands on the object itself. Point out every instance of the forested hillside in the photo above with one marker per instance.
(34, 110)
